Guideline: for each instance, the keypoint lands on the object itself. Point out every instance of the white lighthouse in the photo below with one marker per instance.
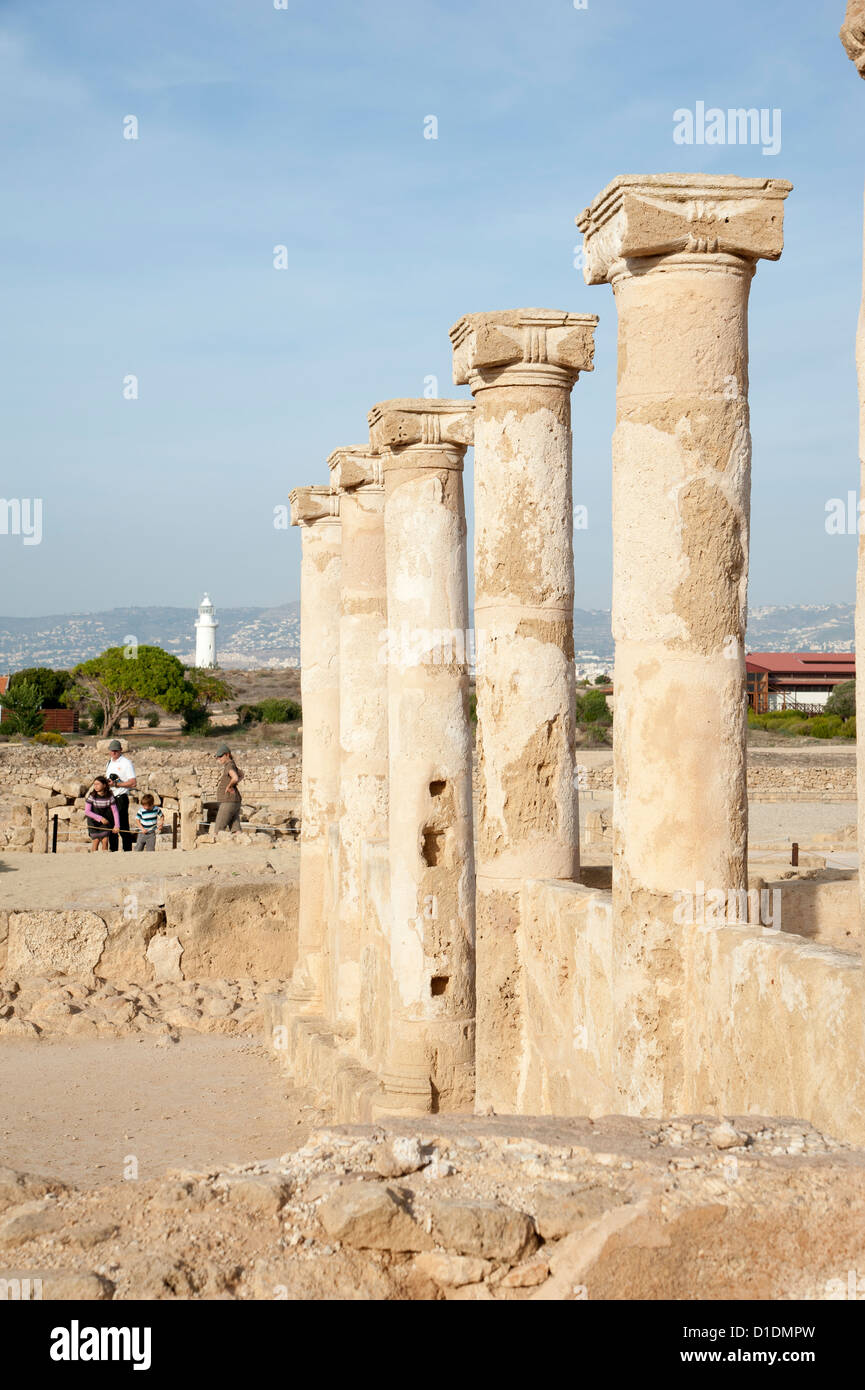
(205, 634)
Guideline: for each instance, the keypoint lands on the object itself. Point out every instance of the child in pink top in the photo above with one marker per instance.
(100, 808)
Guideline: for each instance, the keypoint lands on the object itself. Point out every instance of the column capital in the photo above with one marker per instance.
(853, 34)
(354, 466)
(401, 423)
(531, 347)
(649, 215)
(311, 504)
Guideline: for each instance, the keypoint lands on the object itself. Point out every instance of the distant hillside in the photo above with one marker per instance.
(255, 638)
(247, 637)
(806, 627)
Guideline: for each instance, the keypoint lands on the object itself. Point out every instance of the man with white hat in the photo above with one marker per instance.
(121, 778)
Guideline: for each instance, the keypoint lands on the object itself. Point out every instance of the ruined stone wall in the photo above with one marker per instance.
(145, 931)
(771, 1022)
(790, 781)
(38, 783)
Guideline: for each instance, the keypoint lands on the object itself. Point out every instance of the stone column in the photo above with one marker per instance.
(680, 251)
(432, 887)
(853, 39)
(521, 366)
(356, 474)
(316, 511)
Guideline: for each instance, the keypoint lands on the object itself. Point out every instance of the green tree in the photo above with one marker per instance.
(842, 699)
(53, 686)
(208, 687)
(592, 708)
(117, 681)
(602, 680)
(23, 704)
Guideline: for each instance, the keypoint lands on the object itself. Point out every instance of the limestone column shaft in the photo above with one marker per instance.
(853, 39)
(316, 511)
(521, 366)
(432, 884)
(357, 475)
(680, 251)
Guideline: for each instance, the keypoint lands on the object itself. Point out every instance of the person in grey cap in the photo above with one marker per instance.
(227, 791)
(121, 777)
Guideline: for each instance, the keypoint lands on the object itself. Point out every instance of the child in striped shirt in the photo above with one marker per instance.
(149, 818)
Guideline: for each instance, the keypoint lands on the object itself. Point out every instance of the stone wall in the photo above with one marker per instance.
(767, 781)
(140, 932)
(771, 1022)
(37, 784)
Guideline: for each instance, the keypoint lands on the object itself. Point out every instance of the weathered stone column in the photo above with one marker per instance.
(680, 251)
(356, 474)
(521, 366)
(316, 511)
(432, 886)
(853, 39)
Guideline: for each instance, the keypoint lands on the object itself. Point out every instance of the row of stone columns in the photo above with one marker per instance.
(387, 755)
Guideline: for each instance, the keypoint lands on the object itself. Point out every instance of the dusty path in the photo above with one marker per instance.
(34, 881)
(77, 1110)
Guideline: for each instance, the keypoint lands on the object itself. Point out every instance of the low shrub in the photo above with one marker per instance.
(55, 740)
(269, 712)
(826, 726)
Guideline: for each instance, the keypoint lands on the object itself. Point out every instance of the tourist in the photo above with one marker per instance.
(121, 775)
(100, 808)
(150, 818)
(227, 792)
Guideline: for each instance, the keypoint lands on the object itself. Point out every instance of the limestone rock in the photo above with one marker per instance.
(372, 1216)
(483, 1228)
(452, 1271)
(16, 1187)
(64, 1286)
(261, 1193)
(560, 1209)
(69, 941)
(29, 1220)
(163, 953)
(853, 33)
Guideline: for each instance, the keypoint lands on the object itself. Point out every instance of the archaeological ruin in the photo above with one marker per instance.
(475, 1005)
(450, 960)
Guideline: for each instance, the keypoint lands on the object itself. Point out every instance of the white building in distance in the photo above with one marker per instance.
(205, 635)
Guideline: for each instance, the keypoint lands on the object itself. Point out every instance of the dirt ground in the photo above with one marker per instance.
(80, 1109)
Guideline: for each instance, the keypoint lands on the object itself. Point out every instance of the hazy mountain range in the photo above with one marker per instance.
(245, 638)
(251, 638)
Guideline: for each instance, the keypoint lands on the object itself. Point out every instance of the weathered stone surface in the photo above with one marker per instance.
(164, 954)
(370, 1215)
(560, 1210)
(62, 1286)
(482, 1228)
(70, 941)
(16, 1187)
(521, 366)
(853, 33)
(261, 1193)
(431, 1045)
(29, 1220)
(452, 1271)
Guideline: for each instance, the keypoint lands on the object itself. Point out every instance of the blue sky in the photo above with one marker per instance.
(304, 127)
